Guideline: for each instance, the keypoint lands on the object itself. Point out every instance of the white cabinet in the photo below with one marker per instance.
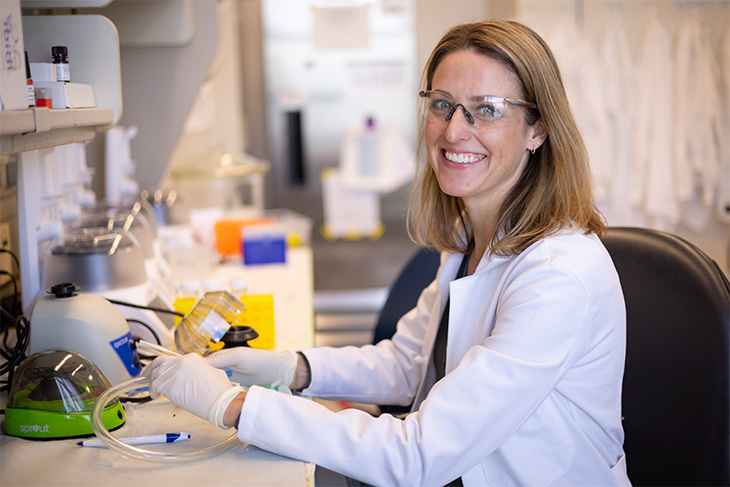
(93, 44)
(32, 134)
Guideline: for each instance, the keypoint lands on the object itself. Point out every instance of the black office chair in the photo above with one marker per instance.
(403, 295)
(676, 392)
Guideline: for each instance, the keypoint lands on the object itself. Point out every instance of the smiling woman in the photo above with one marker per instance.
(478, 164)
(511, 362)
(511, 61)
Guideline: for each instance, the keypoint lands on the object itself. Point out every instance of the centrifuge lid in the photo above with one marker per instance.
(52, 395)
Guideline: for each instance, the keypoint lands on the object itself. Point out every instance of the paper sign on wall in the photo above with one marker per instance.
(341, 28)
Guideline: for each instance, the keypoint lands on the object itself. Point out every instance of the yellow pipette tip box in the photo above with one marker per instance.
(258, 313)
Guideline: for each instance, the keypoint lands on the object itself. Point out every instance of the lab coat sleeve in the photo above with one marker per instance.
(543, 327)
(386, 373)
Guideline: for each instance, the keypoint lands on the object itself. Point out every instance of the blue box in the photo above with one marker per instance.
(264, 249)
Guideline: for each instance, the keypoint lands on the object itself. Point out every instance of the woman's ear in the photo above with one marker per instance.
(539, 134)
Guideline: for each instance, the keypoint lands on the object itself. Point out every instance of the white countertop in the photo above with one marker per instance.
(63, 463)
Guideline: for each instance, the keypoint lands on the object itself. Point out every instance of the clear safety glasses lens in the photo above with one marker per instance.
(482, 111)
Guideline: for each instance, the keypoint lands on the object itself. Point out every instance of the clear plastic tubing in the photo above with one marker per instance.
(135, 452)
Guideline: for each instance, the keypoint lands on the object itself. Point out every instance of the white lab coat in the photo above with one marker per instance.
(654, 182)
(585, 84)
(698, 125)
(532, 394)
(618, 94)
(723, 197)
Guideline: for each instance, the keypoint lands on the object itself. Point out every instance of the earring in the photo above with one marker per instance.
(533, 151)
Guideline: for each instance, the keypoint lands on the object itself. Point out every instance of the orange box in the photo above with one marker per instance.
(228, 234)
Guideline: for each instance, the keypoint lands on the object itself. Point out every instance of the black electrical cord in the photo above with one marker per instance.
(150, 308)
(17, 307)
(15, 258)
(148, 327)
(15, 288)
(17, 354)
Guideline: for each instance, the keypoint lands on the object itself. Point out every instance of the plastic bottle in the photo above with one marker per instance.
(187, 296)
(238, 286)
(210, 285)
(208, 321)
(368, 149)
(60, 61)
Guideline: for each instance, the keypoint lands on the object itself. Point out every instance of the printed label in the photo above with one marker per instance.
(62, 72)
(127, 354)
(34, 428)
(214, 326)
(31, 95)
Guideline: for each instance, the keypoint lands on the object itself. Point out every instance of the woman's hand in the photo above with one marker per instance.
(189, 382)
(253, 366)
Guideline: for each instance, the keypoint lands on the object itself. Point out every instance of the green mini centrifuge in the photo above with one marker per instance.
(52, 395)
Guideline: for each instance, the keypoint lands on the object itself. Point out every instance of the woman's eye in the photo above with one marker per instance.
(441, 104)
(488, 111)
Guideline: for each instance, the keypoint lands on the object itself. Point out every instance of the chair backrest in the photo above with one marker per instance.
(676, 392)
(403, 295)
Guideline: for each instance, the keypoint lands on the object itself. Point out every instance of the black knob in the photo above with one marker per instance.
(63, 290)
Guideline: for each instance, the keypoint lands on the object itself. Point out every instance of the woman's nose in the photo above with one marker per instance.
(458, 126)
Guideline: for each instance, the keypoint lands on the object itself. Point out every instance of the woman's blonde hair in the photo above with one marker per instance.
(554, 191)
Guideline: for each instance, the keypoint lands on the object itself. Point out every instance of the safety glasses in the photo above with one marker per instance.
(482, 111)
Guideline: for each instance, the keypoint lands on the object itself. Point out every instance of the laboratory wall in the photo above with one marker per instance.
(658, 141)
(318, 86)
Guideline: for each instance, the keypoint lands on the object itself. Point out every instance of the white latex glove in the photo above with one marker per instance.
(254, 366)
(189, 382)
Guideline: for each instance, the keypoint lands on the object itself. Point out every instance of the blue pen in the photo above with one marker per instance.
(141, 440)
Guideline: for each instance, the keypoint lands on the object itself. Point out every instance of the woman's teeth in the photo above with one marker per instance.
(462, 158)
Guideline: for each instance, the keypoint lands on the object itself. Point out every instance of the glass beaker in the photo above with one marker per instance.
(208, 321)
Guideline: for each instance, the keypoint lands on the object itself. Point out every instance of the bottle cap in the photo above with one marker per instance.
(59, 50)
(189, 286)
(238, 283)
(211, 285)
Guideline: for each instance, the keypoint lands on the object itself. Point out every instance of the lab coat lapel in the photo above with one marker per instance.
(447, 273)
(472, 298)
(468, 296)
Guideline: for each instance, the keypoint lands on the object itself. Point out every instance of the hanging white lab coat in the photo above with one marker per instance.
(723, 197)
(584, 83)
(697, 124)
(618, 72)
(654, 182)
(532, 394)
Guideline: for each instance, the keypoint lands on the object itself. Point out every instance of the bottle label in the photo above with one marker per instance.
(214, 326)
(62, 72)
(31, 94)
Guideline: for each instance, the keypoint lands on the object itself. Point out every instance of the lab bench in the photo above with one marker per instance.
(63, 463)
